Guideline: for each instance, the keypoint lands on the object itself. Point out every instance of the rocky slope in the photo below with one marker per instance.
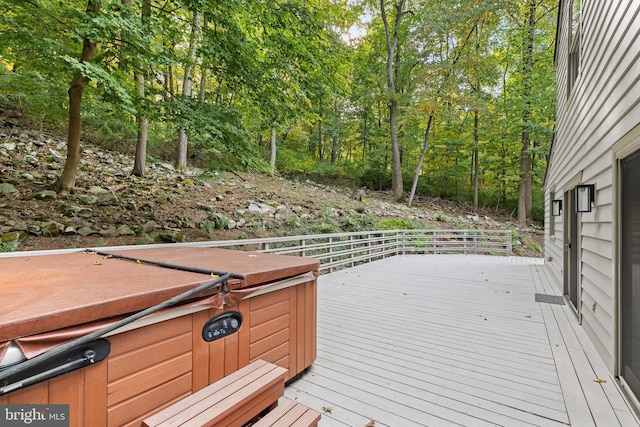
(111, 207)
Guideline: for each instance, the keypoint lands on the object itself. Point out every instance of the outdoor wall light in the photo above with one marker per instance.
(556, 207)
(585, 196)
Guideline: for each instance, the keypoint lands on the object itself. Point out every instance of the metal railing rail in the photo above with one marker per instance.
(337, 250)
(340, 250)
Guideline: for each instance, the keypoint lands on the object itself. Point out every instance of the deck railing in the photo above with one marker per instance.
(339, 250)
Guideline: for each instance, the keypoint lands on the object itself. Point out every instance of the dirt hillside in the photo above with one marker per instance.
(110, 206)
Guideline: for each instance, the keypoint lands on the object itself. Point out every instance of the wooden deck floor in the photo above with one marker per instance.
(442, 340)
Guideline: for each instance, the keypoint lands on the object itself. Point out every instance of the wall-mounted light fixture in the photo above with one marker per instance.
(556, 207)
(585, 197)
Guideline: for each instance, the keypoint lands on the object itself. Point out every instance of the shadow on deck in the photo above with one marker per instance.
(445, 340)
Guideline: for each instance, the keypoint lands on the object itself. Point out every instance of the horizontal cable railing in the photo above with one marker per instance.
(340, 250)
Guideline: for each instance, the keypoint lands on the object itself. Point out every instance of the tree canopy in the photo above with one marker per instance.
(453, 99)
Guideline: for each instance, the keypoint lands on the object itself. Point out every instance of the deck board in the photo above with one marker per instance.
(442, 340)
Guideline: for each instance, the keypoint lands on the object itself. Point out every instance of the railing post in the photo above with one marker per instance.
(509, 243)
(465, 242)
(303, 243)
(351, 250)
(331, 253)
(404, 242)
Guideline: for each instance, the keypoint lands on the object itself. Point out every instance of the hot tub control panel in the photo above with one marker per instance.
(222, 325)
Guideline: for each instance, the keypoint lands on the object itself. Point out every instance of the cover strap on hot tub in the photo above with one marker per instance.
(166, 264)
(24, 367)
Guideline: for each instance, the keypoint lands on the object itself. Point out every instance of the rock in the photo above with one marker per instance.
(260, 208)
(171, 236)
(87, 199)
(13, 236)
(9, 146)
(220, 221)
(7, 190)
(46, 195)
(31, 159)
(69, 229)
(205, 207)
(125, 230)
(50, 228)
(95, 190)
(20, 226)
(55, 156)
(103, 195)
(109, 232)
(87, 231)
(148, 227)
(73, 210)
(166, 166)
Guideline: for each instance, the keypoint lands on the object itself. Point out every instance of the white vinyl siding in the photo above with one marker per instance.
(603, 106)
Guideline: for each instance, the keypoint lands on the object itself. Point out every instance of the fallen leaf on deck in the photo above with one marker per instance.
(138, 261)
(599, 381)
(253, 256)
(326, 409)
(528, 316)
(97, 263)
(370, 424)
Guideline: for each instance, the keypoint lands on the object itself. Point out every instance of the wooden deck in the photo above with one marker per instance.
(440, 340)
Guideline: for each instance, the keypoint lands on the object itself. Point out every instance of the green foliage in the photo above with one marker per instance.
(397, 224)
(359, 222)
(442, 217)
(209, 226)
(10, 246)
(147, 239)
(283, 65)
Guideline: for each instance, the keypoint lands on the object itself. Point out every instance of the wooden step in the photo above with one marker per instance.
(232, 401)
(289, 414)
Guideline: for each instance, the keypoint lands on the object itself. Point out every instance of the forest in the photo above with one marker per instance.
(447, 98)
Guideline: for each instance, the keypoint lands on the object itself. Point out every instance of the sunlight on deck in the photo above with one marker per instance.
(443, 340)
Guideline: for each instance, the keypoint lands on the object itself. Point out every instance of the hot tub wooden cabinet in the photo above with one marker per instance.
(163, 357)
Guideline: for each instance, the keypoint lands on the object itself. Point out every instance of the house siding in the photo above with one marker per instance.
(603, 107)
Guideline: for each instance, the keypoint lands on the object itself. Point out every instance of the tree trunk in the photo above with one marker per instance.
(524, 186)
(203, 70)
(320, 146)
(476, 161)
(140, 161)
(425, 147)
(187, 86)
(392, 44)
(67, 179)
(273, 151)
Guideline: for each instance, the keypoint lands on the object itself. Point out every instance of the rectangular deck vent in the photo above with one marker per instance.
(551, 299)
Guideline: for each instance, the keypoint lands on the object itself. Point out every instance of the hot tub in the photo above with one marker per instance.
(267, 310)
